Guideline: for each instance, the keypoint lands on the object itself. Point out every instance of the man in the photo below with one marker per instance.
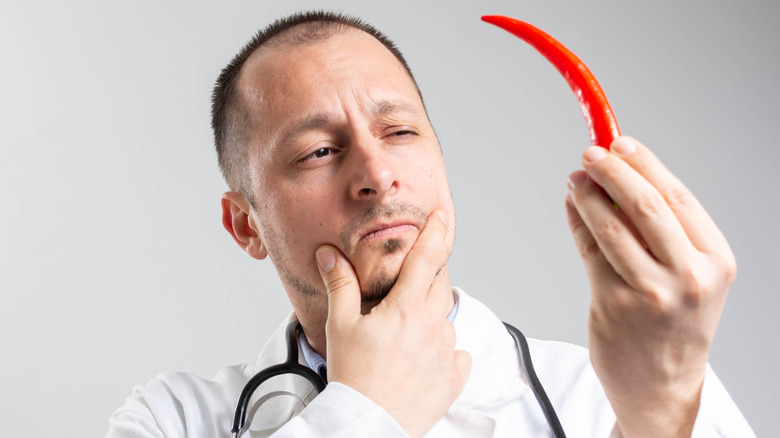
(336, 175)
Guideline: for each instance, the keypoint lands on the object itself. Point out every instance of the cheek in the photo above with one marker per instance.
(430, 178)
(315, 203)
(310, 215)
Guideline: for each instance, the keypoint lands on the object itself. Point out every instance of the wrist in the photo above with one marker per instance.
(670, 413)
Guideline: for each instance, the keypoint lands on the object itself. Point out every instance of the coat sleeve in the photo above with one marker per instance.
(718, 415)
(340, 411)
(182, 407)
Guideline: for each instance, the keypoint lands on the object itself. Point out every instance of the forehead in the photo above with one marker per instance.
(288, 80)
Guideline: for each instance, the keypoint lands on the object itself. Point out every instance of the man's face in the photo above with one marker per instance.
(342, 154)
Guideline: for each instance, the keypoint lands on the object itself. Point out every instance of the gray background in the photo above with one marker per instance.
(114, 265)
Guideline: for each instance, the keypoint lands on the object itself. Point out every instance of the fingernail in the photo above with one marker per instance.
(576, 178)
(594, 154)
(443, 217)
(326, 258)
(623, 146)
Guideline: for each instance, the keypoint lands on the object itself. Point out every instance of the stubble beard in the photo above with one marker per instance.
(374, 291)
(380, 287)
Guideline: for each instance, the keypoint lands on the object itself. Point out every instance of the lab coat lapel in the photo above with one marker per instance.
(496, 376)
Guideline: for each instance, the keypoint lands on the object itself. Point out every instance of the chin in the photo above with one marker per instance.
(376, 285)
(380, 260)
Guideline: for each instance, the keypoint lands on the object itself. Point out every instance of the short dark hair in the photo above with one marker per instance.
(230, 117)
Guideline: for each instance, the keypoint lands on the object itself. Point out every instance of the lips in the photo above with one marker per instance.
(382, 222)
(387, 230)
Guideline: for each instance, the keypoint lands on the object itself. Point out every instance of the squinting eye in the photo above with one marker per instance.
(319, 153)
(403, 133)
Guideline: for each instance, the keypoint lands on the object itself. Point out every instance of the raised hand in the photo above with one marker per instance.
(659, 269)
(402, 354)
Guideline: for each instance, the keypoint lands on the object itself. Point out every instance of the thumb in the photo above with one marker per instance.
(341, 284)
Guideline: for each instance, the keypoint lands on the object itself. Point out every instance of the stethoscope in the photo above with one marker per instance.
(291, 366)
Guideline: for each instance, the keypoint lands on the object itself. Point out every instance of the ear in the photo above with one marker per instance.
(236, 218)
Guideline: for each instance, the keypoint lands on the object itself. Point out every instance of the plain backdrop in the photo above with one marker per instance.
(114, 266)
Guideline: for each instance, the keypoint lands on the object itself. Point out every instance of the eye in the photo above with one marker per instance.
(318, 153)
(403, 133)
(321, 152)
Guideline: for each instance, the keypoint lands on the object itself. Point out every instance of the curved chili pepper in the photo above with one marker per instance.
(598, 114)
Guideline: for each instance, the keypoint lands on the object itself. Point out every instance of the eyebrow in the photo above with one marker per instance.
(380, 109)
(386, 107)
(310, 123)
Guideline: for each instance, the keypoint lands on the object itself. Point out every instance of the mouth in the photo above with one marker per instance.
(387, 230)
(381, 224)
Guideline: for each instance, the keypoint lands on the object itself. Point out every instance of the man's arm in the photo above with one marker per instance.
(659, 269)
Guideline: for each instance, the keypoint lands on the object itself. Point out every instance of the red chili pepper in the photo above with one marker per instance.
(598, 114)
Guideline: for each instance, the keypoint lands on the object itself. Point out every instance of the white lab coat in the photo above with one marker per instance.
(496, 401)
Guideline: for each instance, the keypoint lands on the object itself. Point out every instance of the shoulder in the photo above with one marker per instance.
(566, 367)
(572, 386)
(560, 354)
(175, 403)
(172, 404)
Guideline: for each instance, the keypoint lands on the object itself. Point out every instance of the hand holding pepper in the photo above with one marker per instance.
(659, 269)
(658, 266)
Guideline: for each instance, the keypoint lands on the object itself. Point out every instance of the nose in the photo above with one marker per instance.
(372, 175)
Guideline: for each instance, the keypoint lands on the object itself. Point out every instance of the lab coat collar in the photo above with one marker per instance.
(496, 377)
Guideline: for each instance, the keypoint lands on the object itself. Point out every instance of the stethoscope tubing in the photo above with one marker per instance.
(290, 366)
(534, 383)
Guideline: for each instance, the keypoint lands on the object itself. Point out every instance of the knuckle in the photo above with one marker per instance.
(609, 230)
(337, 282)
(708, 280)
(588, 249)
(655, 301)
(658, 305)
(649, 205)
(679, 197)
(693, 288)
(691, 279)
(579, 227)
(731, 272)
(727, 266)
